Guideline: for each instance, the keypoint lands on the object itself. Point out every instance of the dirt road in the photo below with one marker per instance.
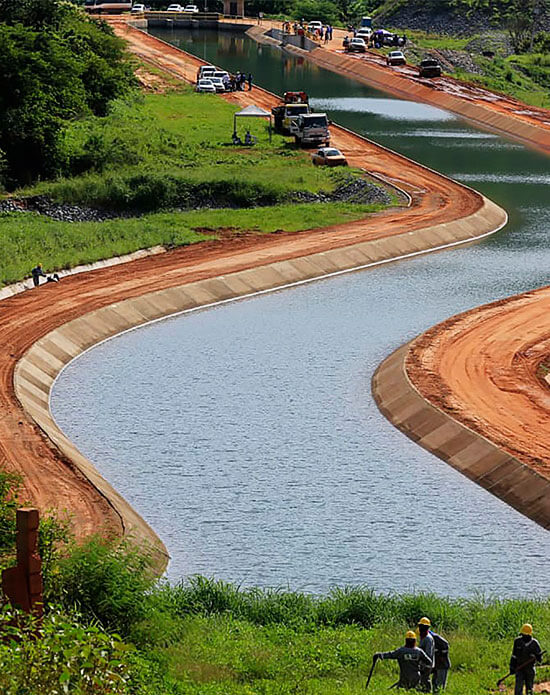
(51, 480)
(481, 368)
(493, 111)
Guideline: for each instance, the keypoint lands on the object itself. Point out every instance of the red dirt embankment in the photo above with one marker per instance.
(481, 368)
(50, 480)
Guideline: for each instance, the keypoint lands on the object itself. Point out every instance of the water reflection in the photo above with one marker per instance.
(247, 435)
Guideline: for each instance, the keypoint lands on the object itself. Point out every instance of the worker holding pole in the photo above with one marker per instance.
(525, 654)
(410, 659)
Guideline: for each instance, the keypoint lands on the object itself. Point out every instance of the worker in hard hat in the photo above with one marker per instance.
(410, 659)
(525, 654)
(37, 273)
(427, 645)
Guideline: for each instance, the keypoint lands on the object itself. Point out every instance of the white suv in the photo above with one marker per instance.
(174, 8)
(191, 8)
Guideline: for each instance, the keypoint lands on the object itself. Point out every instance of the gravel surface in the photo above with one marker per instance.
(353, 191)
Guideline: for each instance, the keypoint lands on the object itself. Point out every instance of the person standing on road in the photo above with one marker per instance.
(249, 81)
(410, 659)
(427, 645)
(37, 273)
(442, 663)
(525, 654)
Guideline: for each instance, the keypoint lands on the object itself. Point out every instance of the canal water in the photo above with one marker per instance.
(247, 435)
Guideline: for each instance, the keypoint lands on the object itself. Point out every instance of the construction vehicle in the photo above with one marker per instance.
(311, 129)
(295, 98)
(296, 104)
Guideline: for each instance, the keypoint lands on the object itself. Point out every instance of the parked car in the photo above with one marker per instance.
(364, 33)
(315, 25)
(330, 157)
(206, 70)
(218, 83)
(205, 85)
(429, 67)
(396, 58)
(174, 8)
(191, 9)
(357, 46)
(138, 8)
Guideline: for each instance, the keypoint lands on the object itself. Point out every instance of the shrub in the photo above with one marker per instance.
(59, 655)
(107, 581)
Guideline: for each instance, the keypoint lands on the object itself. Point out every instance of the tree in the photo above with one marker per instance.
(323, 10)
(55, 65)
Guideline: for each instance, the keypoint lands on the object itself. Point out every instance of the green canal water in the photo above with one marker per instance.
(247, 434)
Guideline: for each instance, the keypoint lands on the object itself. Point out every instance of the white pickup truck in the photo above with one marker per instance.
(311, 129)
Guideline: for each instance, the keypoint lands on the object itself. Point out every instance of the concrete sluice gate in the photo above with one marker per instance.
(253, 422)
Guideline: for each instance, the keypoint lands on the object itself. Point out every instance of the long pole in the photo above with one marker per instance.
(370, 674)
(529, 661)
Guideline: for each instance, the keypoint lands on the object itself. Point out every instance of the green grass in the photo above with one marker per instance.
(503, 75)
(427, 40)
(181, 137)
(158, 152)
(27, 239)
(209, 637)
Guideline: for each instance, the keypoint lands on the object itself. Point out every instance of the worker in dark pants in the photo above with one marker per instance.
(249, 81)
(442, 663)
(525, 654)
(410, 659)
(427, 645)
(37, 273)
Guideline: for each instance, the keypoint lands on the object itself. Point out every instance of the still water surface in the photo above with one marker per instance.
(247, 435)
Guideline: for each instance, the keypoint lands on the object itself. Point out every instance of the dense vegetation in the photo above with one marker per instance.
(55, 65)
(111, 627)
(75, 129)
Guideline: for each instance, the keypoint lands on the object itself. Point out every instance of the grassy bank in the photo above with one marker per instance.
(112, 627)
(27, 239)
(165, 160)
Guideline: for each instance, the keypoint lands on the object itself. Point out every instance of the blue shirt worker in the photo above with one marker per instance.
(427, 645)
(37, 273)
(410, 659)
(525, 654)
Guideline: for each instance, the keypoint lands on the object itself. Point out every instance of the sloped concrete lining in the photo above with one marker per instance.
(36, 371)
(467, 451)
(486, 117)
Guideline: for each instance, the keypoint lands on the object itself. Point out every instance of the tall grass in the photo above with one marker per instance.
(113, 583)
(493, 618)
(26, 239)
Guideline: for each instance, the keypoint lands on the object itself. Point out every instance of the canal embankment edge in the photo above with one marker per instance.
(467, 451)
(35, 373)
(483, 115)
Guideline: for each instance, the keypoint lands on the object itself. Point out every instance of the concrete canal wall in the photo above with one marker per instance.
(467, 451)
(36, 371)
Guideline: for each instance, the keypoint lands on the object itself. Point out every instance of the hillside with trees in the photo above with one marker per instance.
(56, 65)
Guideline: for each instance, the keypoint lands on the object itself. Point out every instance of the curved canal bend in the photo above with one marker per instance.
(249, 439)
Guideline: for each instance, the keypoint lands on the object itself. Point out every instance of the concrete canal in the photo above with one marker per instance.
(247, 435)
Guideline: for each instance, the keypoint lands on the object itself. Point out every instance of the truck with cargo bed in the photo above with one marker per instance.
(311, 130)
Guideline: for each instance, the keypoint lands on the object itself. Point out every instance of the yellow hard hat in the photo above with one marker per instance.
(526, 629)
(410, 635)
(425, 621)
